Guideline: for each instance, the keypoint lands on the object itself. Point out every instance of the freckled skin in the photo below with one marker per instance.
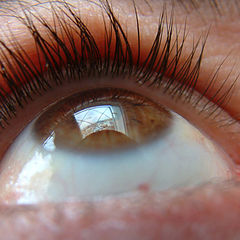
(207, 212)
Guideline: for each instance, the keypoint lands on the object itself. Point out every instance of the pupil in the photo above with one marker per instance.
(102, 119)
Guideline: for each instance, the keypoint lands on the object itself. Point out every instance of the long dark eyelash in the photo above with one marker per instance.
(18, 70)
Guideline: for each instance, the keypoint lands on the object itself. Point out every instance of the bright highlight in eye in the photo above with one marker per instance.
(106, 142)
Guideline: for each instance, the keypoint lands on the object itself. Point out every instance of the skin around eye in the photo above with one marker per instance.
(209, 210)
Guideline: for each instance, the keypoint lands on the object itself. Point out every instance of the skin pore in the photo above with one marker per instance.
(210, 211)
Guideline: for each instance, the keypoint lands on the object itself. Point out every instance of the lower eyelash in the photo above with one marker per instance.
(117, 59)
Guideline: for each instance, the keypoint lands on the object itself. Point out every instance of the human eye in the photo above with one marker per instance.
(214, 114)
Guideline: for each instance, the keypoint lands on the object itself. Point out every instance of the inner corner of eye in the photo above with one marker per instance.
(91, 143)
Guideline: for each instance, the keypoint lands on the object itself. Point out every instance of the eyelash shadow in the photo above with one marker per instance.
(24, 79)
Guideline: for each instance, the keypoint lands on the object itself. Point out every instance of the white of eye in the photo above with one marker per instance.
(181, 156)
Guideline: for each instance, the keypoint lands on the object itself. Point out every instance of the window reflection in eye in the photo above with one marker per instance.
(163, 73)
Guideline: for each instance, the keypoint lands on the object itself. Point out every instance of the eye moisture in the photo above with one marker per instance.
(106, 142)
(101, 119)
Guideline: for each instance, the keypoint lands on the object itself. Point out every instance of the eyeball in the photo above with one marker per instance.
(106, 142)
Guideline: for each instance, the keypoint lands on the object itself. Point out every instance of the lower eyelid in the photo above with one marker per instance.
(210, 207)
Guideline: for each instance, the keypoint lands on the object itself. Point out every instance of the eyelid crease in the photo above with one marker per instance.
(204, 8)
(69, 43)
(218, 8)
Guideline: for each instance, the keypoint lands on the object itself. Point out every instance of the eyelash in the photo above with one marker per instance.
(18, 70)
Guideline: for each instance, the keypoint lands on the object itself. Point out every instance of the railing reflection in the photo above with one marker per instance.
(99, 118)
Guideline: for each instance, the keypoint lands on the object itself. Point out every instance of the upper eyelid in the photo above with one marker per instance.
(192, 53)
(165, 26)
(207, 10)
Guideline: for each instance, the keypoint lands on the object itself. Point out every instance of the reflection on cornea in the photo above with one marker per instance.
(99, 118)
(39, 167)
(48, 144)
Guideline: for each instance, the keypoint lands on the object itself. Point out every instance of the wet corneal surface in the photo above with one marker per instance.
(102, 119)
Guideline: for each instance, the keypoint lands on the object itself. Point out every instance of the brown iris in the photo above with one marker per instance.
(101, 119)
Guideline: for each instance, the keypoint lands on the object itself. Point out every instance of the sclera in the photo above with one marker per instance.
(179, 156)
